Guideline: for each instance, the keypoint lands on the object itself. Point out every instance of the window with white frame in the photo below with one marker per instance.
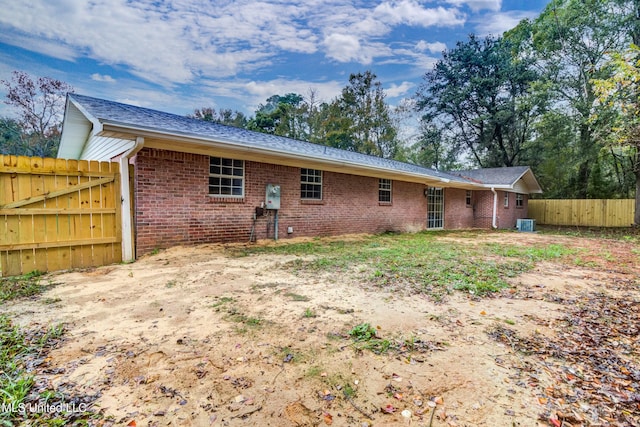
(506, 199)
(468, 198)
(310, 184)
(519, 200)
(384, 190)
(226, 177)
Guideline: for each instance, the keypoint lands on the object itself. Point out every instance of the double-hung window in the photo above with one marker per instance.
(226, 177)
(310, 184)
(468, 198)
(519, 200)
(384, 190)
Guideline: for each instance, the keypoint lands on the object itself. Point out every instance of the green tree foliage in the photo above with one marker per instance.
(292, 116)
(281, 115)
(435, 149)
(570, 42)
(619, 96)
(10, 137)
(478, 94)
(223, 116)
(360, 120)
(40, 107)
(357, 120)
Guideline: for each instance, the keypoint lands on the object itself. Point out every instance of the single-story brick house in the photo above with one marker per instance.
(201, 182)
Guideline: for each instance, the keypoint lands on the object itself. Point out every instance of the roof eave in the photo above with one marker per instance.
(72, 145)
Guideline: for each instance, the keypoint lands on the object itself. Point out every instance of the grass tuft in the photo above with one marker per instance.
(26, 285)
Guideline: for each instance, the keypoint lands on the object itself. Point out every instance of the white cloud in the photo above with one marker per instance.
(398, 90)
(102, 78)
(436, 47)
(256, 92)
(345, 48)
(477, 5)
(176, 42)
(412, 13)
(167, 45)
(55, 49)
(501, 22)
(201, 51)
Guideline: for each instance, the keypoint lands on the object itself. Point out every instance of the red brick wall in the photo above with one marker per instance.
(507, 216)
(456, 212)
(480, 215)
(483, 209)
(173, 205)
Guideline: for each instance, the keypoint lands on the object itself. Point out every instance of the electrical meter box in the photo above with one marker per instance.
(273, 197)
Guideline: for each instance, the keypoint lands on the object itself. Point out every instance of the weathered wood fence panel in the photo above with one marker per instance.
(57, 214)
(583, 213)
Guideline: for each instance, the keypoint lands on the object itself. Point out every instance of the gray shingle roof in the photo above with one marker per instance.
(494, 176)
(124, 115)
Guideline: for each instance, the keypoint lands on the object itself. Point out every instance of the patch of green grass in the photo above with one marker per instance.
(314, 372)
(221, 301)
(19, 348)
(348, 391)
(27, 285)
(625, 234)
(309, 313)
(363, 332)
(233, 315)
(296, 297)
(365, 338)
(531, 253)
(582, 263)
(429, 263)
(253, 321)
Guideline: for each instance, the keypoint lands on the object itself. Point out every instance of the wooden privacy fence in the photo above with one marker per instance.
(587, 213)
(57, 214)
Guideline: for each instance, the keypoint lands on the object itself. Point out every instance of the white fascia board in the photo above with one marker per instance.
(78, 126)
(97, 125)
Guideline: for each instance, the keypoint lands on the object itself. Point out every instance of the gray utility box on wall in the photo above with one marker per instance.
(273, 196)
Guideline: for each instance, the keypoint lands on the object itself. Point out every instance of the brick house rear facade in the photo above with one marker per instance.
(173, 177)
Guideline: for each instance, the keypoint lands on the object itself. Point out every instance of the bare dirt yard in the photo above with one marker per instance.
(235, 335)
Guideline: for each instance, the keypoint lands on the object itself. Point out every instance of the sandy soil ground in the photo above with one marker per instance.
(193, 336)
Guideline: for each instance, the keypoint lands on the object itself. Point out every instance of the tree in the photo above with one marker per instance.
(281, 115)
(434, 149)
(620, 94)
(359, 119)
(224, 116)
(478, 94)
(570, 42)
(10, 137)
(40, 108)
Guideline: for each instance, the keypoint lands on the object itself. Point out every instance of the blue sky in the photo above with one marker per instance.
(178, 55)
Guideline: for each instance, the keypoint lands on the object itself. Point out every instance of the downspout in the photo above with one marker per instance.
(128, 253)
(494, 223)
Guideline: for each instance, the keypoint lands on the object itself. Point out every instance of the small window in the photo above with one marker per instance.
(506, 199)
(311, 184)
(519, 200)
(226, 177)
(468, 198)
(384, 190)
